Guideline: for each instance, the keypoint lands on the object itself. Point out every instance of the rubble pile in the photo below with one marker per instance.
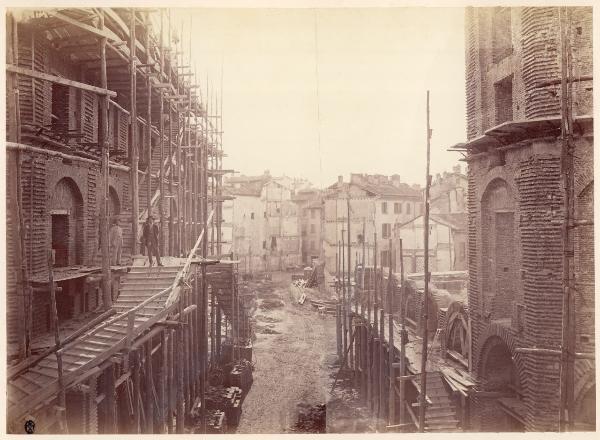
(311, 418)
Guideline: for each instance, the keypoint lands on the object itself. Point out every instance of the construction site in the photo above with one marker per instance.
(272, 306)
(107, 125)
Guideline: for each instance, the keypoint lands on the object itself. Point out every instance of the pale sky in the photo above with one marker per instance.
(366, 73)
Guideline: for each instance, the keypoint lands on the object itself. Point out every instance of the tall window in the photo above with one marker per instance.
(384, 207)
(503, 100)
(397, 208)
(312, 228)
(408, 208)
(386, 230)
(385, 258)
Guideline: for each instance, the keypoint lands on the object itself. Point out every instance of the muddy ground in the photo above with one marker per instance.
(295, 365)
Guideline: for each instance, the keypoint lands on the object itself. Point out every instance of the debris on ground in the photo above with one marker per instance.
(270, 304)
(311, 419)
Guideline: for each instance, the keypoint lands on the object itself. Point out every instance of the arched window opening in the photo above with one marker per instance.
(66, 218)
(499, 267)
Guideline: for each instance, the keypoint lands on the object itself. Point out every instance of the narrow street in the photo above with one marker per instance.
(293, 351)
(295, 364)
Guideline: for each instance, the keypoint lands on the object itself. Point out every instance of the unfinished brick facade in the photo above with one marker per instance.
(53, 160)
(516, 211)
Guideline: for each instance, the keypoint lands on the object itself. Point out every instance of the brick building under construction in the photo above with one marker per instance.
(104, 123)
(509, 344)
(530, 227)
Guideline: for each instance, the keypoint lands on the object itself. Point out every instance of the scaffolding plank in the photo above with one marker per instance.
(59, 80)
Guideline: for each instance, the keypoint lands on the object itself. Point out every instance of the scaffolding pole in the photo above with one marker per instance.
(104, 143)
(422, 395)
(135, 202)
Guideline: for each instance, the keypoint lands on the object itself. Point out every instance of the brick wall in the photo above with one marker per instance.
(534, 59)
(534, 265)
(76, 181)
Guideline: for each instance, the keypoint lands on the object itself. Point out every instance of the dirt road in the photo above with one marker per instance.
(295, 365)
(294, 349)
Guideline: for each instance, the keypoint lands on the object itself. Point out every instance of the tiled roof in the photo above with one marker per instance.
(389, 190)
(248, 185)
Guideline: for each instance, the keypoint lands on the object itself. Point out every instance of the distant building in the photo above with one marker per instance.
(447, 243)
(378, 204)
(447, 226)
(264, 222)
(281, 239)
(310, 209)
(448, 192)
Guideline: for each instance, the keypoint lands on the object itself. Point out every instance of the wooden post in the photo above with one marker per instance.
(170, 380)
(391, 347)
(568, 339)
(194, 338)
(110, 401)
(376, 326)
(338, 317)
(162, 376)
(218, 347)
(136, 391)
(104, 143)
(350, 289)
(402, 342)
(204, 194)
(149, 411)
(422, 400)
(187, 353)
(148, 120)
(161, 146)
(212, 180)
(171, 244)
(362, 277)
(382, 406)
(369, 338)
(195, 188)
(375, 286)
(14, 134)
(135, 198)
(219, 167)
(344, 301)
(179, 373)
(350, 292)
(55, 324)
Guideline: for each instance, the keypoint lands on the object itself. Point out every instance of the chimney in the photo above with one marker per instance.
(340, 179)
(396, 180)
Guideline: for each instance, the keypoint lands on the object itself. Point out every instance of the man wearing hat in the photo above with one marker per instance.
(150, 239)
(115, 242)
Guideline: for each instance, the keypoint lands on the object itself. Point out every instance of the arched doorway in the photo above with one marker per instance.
(458, 335)
(66, 215)
(114, 204)
(498, 250)
(585, 412)
(502, 409)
